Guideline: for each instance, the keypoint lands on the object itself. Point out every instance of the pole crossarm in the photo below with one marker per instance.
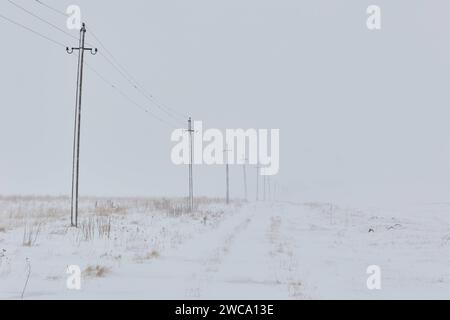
(93, 51)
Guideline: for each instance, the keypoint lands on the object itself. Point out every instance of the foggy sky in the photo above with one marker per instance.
(362, 114)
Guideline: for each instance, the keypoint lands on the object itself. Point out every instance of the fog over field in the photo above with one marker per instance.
(362, 114)
(361, 117)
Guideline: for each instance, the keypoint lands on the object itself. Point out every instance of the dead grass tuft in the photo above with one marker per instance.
(171, 207)
(153, 254)
(96, 271)
(95, 226)
(30, 235)
(108, 208)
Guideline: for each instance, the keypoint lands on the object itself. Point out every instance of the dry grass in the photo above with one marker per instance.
(93, 227)
(87, 230)
(104, 227)
(30, 235)
(96, 271)
(172, 207)
(15, 210)
(98, 211)
(202, 207)
(108, 207)
(153, 254)
(295, 289)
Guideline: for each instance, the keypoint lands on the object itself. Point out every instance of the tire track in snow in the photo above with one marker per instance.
(255, 267)
(211, 264)
(284, 262)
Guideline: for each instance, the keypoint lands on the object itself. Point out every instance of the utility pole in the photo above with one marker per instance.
(245, 180)
(191, 165)
(257, 181)
(228, 183)
(227, 168)
(269, 187)
(264, 187)
(274, 191)
(77, 127)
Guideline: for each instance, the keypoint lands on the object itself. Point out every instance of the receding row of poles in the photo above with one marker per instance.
(77, 137)
(267, 191)
(74, 209)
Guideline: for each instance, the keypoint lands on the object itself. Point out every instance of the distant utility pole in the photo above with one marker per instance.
(228, 183)
(264, 188)
(191, 165)
(257, 181)
(227, 168)
(269, 187)
(245, 180)
(275, 192)
(77, 128)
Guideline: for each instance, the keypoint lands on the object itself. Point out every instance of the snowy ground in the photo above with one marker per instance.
(153, 249)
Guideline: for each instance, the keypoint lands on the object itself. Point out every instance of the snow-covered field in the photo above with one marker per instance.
(154, 249)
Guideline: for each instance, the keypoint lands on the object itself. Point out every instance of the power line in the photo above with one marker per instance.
(42, 19)
(72, 36)
(33, 31)
(175, 115)
(111, 55)
(124, 95)
(146, 110)
(131, 80)
(51, 8)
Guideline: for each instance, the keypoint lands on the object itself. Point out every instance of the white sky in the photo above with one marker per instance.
(362, 114)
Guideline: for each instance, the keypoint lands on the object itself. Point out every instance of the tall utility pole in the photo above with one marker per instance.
(257, 181)
(77, 127)
(227, 168)
(191, 165)
(269, 189)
